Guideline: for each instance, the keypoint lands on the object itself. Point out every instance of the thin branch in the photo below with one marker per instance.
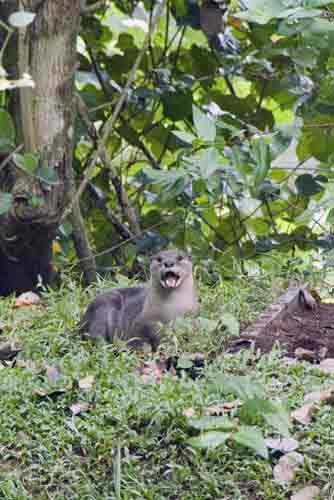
(95, 6)
(109, 126)
(10, 156)
(101, 203)
(120, 191)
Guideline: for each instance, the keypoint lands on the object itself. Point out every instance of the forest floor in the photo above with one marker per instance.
(83, 421)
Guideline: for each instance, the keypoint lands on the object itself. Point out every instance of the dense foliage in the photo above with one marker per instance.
(221, 92)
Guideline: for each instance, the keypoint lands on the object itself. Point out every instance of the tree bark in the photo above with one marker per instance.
(46, 50)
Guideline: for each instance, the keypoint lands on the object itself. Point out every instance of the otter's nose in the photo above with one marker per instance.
(169, 263)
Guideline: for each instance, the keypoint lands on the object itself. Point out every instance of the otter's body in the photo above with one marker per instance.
(132, 313)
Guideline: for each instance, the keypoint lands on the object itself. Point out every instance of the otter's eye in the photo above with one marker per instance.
(159, 259)
(179, 258)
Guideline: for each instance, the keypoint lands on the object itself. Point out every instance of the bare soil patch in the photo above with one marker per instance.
(294, 324)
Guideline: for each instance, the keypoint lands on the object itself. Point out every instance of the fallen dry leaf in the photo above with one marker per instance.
(52, 373)
(151, 371)
(222, 408)
(303, 415)
(326, 396)
(285, 445)
(307, 493)
(188, 412)
(284, 470)
(77, 408)
(43, 392)
(305, 354)
(27, 299)
(8, 351)
(327, 365)
(86, 383)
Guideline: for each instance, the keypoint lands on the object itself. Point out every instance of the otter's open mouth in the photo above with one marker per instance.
(170, 280)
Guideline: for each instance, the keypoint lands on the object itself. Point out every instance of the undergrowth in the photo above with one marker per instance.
(132, 442)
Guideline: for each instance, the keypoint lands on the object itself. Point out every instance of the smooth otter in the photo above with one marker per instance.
(132, 313)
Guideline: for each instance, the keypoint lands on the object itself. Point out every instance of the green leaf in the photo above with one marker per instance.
(210, 423)
(278, 417)
(307, 185)
(205, 126)
(261, 155)
(184, 136)
(243, 387)
(317, 3)
(209, 439)
(184, 363)
(231, 323)
(6, 200)
(27, 162)
(7, 131)
(209, 163)
(47, 175)
(21, 19)
(251, 437)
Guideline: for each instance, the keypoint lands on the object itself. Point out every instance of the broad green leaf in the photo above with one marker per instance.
(6, 200)
(209, 439)
(231, 323)
(7, 131)
(251, 437)
(278, 418)
(47, 175)
(184, 363)
(243, 387)
(27, 162)
(184, 136)
(21, 19)
(317, 3)
(209, 163)
(261, 155)
(307, 185)
(210, 423)
(204, 124)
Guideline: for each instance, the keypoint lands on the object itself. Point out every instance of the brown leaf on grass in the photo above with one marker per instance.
(284, 470)
(305, 354)
(52, 373)
(86, 383)
(327, 365)
(221, 409)
(8, 351)
(151, 371)
(77, 408)
(307, 493)
(27, 299)
(303, 415)
(284, 445)
(326, 396)
(188, 412)
(44, 392)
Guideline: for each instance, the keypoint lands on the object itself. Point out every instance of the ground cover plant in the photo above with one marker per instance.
(83, 421)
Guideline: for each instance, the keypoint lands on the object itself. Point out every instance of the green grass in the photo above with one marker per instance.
(134, 436)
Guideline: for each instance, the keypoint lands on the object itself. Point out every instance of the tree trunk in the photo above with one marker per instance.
(46, 50)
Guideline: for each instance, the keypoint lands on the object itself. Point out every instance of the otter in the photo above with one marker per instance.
(132, 314)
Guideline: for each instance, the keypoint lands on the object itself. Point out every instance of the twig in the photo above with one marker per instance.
(95, 6)
(111, 121)
(10, 156)
(120, 191)
(101, 203)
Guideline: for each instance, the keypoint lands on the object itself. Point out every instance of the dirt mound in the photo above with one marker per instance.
(295, 324)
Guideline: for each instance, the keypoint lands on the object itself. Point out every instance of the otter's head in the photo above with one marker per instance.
(170, 268)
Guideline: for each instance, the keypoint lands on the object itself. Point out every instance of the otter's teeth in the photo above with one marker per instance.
(171, 282)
